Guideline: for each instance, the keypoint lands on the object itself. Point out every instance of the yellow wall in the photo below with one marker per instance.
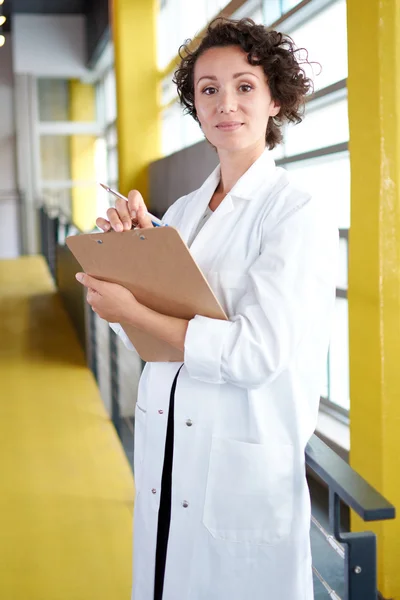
(374, 269)
(138, 120)
(82, 149)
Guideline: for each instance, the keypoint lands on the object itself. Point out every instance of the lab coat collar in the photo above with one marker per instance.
(259, 173)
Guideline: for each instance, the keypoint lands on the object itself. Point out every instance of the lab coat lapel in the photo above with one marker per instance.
(261, 172)
(198, 203)
(204, 239)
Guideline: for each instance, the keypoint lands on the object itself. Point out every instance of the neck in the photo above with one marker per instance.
(235, 164)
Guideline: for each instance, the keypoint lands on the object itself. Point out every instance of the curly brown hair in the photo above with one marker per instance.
(274, 51)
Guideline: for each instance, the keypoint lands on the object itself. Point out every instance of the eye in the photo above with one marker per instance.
(245, 87)
(209, 91)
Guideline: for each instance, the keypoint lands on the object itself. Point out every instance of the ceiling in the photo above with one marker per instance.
(96, 14)
(60, 7)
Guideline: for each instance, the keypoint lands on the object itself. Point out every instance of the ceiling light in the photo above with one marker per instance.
(2, 20)
(2, 40)
(1, 2)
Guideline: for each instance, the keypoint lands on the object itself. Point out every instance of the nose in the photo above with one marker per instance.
(227, 102)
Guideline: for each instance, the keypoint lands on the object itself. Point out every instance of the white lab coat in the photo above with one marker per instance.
(246, 400)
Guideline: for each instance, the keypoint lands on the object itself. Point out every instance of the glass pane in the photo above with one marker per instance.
(214, 7)
(278, 151)
(339, 356)
(112, 164)
(256, 15)
(101, 175)
(255, 10)
(289, 4)
(325, 38)
(171, 129)
(110, 96)
(322, 126)
(178, 21)
(168, 90)
(111, 136)
(191, 131)
(327, 178)
(342, 282)
(55, 157)
(272, 11)
(58, 200)
(100, 104)
(325, 383)
(53, 99)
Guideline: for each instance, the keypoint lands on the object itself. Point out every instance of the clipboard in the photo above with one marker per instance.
(156, 265)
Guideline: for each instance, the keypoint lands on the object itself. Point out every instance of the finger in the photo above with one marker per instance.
(135, 200)
(91, 297)
(123, 212)
(89, 282)
(114, 219)
(143, 218)
(103, 224)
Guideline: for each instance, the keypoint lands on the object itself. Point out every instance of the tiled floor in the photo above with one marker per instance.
(66, 490)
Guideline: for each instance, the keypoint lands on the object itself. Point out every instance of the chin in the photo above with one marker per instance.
(231, 144)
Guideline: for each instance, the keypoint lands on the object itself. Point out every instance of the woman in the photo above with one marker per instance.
(222, 509)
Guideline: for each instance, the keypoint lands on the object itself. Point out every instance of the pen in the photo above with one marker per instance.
(156, 222)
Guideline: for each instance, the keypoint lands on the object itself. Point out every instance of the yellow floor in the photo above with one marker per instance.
(66, 489)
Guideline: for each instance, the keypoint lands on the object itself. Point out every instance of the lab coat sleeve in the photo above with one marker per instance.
(117, 328)
(290, 281)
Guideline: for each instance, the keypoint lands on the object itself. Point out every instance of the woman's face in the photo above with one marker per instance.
(232, 99)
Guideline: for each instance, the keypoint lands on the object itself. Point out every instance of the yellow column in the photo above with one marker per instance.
(82, 148)
(374, 271)
(138, 120)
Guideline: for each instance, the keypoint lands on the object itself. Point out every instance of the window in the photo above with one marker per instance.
(178, 20)
(325, 124)
(339, 357)
(315, 153)
(289, 4)
(325, 38)
(327, 178)
(106, 146)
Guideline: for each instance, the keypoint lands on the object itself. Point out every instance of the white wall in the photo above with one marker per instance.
(50, 45)
(9, 226)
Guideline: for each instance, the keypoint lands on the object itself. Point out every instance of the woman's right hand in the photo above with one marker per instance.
(126, 215)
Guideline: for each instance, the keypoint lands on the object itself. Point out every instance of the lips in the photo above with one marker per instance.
(229, 125)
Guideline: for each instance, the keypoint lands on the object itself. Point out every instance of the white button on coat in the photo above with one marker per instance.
(252, 386)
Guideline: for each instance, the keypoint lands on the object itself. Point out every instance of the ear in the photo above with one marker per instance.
(274, 108)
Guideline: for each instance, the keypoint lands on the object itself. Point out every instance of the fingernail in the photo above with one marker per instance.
(127, 226)
(133, 214)
(119, 227)
(79, 277)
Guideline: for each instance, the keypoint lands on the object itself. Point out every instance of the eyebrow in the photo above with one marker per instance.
(235, 76)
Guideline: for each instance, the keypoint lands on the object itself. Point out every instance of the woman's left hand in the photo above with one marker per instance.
(110, 301)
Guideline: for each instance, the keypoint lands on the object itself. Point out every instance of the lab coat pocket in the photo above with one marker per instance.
(250, 489)
(139, 442)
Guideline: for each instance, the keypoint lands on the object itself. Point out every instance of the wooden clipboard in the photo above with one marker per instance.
(157, 267)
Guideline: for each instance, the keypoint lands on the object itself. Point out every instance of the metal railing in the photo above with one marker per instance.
(357, 549)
